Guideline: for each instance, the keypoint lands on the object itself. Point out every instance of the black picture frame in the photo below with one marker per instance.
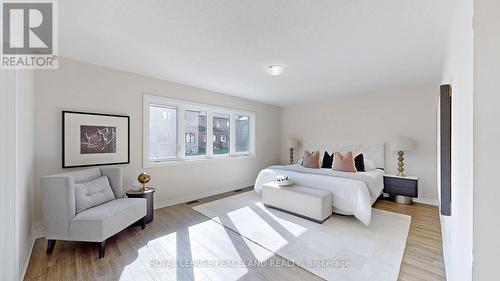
(64, 162)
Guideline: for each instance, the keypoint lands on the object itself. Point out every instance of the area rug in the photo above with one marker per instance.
(341, 248)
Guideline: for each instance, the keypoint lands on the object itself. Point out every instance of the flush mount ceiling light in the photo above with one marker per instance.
(275, 69)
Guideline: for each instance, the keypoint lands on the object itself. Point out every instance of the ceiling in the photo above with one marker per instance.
(330, 48)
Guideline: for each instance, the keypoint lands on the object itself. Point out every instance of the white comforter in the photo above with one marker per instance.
(353, 193)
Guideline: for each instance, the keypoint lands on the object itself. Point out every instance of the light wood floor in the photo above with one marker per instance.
(423, 257)
(180, 232)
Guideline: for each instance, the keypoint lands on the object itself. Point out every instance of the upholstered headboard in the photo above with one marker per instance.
(374, 152)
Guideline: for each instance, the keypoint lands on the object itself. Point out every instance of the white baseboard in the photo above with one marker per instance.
(39, 233)
(427, 201)
(23, 267)
(184, 199)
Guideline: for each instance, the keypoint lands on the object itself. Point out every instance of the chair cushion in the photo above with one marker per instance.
(101, 222)
(92, 193)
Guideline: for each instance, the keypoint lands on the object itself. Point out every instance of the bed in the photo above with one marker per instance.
(353, 193)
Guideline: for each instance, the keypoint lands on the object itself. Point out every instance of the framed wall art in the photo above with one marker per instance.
(93, 139)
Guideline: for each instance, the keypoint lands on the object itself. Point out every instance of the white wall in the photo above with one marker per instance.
(8, 264)
(86, 87)
(16, 171)
(373, 118)
(486, 139)
(457, 228)
(25, 132)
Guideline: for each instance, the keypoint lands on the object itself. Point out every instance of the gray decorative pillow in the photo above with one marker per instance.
(93, 193)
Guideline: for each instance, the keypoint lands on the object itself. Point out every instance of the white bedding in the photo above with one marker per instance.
(353, 193)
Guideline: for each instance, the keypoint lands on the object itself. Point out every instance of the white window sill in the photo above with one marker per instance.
(197, 160)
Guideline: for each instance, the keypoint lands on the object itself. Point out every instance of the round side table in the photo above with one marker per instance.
(149, 196)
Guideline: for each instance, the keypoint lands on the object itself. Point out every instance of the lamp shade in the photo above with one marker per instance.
(401, 144)
(294, 143)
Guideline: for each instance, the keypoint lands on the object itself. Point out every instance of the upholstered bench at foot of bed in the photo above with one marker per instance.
(309, 203)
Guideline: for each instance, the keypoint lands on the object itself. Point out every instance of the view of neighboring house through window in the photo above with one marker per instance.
(177, 130)
(242, 136)
(189, 138)
(162, 132)
(221, 132)
(195, 128)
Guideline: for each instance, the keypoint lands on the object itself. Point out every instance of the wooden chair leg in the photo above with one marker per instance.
(50, 246)
(102, 248)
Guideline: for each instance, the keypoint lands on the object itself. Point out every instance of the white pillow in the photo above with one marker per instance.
(92, 193)
(301, 161)
(369, 165)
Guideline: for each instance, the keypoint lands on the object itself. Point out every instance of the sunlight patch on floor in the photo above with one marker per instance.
(293, 228)
(210, 251)
(216, 256)
(244, 220)
(277, 231)
(151, 261)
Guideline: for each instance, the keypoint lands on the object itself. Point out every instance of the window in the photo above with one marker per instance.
(162, 132)
(195, 127)
(189, 138)
(221, 131)
(242, 136)
(176, 131)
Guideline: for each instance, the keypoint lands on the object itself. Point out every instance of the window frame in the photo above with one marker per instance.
(190, 107)
(182, 106)
(221, 111)
(165, 159)
(192, 138)
(250, 130)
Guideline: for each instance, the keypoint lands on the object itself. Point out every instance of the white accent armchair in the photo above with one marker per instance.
(95, 223)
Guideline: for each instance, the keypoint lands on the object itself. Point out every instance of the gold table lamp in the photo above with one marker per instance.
(400, 145)
(144, 178)
(292, 143)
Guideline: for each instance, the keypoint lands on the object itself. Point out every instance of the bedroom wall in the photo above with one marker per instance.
(85, 87)
(373, 118)
(486, 135)
(458, 71)
(8, 264)
(16, 171)
(25, 165)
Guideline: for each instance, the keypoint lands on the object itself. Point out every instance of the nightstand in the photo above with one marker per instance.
(401, 189)
(149, 196)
